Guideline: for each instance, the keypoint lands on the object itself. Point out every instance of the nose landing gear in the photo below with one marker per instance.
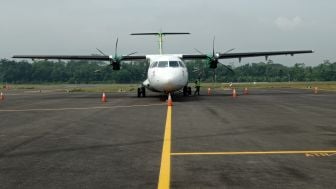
(142, 92)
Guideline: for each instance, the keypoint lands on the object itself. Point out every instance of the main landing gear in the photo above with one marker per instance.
(142, 92)
(186, 91)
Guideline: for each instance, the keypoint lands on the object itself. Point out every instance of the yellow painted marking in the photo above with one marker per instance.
(320, 154)
(83, 108)
(306, 152)
(164, 178)
(309, 155)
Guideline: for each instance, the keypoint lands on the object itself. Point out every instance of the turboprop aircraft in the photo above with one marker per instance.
(167, 73)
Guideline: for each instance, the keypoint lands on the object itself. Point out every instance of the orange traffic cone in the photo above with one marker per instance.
(103, 99)
(2, 96)
(245, 91)
(169, 101)
(209, 91)
(315, 90)
(234, 93)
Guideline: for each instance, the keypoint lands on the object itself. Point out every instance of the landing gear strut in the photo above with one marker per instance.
(142, 92)
(186, 91)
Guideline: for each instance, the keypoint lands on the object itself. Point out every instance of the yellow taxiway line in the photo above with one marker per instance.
(255, 152)
(164, 178)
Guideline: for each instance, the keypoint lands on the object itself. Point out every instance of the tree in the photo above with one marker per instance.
(136, 72)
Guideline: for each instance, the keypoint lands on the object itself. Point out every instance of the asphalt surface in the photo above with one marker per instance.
(72, 140)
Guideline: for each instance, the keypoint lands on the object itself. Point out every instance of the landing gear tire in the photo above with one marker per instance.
(139, 92)
(143, 91)
(185, 91)
(189, 91)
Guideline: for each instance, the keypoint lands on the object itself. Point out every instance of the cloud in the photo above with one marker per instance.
(287, 24)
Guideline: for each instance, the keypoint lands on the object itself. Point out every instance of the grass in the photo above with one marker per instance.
(331, 86)
(133, 87)
(76, 88)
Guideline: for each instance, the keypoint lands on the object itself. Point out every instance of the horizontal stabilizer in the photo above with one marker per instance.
(162, 33)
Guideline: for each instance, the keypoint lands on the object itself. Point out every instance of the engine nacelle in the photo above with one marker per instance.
(213, 63)
(115, 65)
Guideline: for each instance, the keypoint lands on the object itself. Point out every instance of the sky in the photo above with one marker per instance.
(78, 27)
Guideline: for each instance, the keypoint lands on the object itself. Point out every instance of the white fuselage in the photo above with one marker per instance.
(166, 73)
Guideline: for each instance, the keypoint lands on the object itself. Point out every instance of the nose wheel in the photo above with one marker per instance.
(142, 92)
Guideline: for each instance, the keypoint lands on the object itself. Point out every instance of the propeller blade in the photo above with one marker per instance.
(131, 53)
(229, 50)
(116, 48)
(214, 76)
(227, 67)
(199, 51)
(213, 47)
(101, 52)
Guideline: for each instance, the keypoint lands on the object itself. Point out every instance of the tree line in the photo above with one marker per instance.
(12, 71)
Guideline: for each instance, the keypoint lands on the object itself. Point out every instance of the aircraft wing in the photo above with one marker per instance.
(79, 57)
(247, 54)
(266, 54)
(194, 56)
(129, 58)
(63, 57)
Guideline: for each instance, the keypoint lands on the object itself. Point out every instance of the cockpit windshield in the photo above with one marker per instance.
(173, 64)
(154, 64)
(163, 64)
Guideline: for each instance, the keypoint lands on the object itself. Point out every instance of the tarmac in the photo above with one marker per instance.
(270, 138)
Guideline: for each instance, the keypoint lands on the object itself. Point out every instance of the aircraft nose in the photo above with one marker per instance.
(169, 78)
(168, 82)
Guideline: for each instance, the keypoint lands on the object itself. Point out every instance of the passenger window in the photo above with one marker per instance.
(181, 64)
(154, 64)
(163, 64)
(173, 64)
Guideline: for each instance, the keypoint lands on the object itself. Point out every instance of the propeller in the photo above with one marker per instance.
(213, 59)
(101, 52)
(115, 60)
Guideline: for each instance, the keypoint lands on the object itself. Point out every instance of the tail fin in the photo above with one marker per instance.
(161, 34)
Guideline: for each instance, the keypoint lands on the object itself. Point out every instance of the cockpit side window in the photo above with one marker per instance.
(181, 64)
(173, 64)
(154, 64)
(163, 64)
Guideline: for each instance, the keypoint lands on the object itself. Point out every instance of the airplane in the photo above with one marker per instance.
(167, 73)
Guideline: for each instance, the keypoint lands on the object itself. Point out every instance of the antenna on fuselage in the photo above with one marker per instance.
(160, 35)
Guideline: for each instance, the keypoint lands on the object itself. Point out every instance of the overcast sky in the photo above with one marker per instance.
(81, 26)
